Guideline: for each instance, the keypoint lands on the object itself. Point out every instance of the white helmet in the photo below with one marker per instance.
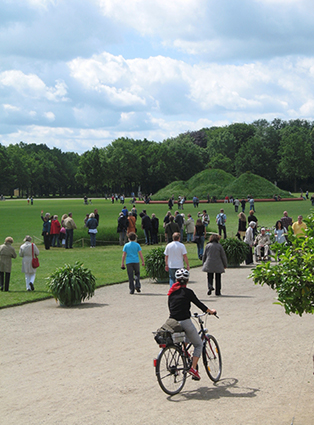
(182, 274)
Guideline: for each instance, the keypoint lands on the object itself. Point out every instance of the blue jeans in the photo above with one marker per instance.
(189, 237)
(92, 239)
(172, 277)
(54, 239)
(200, 246)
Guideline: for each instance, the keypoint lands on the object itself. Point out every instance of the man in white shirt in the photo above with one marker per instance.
(175, 256)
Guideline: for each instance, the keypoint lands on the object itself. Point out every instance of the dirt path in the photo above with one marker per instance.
(94, 364)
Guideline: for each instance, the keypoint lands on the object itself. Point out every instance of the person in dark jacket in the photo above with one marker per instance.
(179, 304)
(46, 229)
(122, 228)
(155, 227)
(147, 227)
(92, 224)
(214, 261)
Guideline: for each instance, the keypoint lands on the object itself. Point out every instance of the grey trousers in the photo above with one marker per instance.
(193, 336)
(133, 270)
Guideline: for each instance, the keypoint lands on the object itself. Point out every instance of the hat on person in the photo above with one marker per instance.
(252, 224)
(263, 228)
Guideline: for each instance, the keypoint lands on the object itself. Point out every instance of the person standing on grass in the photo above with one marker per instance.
(92, 224)
(131, 251)
(7, 252)
(27, 251)
(189, 228)
(55, 231)
(69, 227)
(46, 229)
(221, 222)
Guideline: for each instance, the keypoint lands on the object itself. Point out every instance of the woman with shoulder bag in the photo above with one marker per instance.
(28, 251)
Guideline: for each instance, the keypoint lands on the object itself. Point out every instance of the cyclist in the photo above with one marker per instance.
(179, 303)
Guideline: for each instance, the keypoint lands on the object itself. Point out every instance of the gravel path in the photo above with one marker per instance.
(93, 364)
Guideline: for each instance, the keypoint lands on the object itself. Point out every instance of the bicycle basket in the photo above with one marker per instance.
(178, 337)
(163, 337)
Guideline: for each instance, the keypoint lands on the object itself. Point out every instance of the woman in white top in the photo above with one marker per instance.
(27, 268)
(280, 232)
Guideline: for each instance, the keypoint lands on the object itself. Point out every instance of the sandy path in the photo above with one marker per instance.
(94, 364)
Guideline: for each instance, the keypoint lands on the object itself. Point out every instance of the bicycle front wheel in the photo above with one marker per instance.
(171, 370)
(212, 358)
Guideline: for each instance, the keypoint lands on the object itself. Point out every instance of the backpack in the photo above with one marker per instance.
(221, 220)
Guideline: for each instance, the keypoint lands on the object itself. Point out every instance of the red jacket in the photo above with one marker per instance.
(55, 227)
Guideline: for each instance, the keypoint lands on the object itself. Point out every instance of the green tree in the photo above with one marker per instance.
(293, 277)
(295, 154)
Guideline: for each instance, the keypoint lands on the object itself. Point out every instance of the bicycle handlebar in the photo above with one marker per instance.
(197, 315)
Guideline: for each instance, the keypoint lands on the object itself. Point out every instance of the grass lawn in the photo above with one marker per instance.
(18, 219)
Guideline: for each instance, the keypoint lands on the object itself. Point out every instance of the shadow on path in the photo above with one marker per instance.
(226, 388)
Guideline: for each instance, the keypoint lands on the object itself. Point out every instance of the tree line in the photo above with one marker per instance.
(280, 151)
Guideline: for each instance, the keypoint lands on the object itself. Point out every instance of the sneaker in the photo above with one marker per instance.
(194, 374)
(32, 286)
(138, 290)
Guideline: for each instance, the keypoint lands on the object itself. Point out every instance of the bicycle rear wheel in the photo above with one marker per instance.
(212, 358)
(171, 369)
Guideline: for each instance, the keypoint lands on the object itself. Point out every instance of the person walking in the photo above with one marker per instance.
(236, 204)
(131, 251)
(221, 219)
(243, 202)
(147, 227)
(7, 252)
(214, 261)
(27, 251)
(132, 222)
(199, 237)
(175, 256)
(92, 224)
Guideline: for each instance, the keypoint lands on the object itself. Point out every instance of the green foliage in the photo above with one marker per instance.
(251, 184)
(155, 264)
(220, 183)
(236, 251)
(71, 284)
(293, 277)
(202, 183)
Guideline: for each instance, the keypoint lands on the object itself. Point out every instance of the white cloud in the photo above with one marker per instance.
(31, 86)
(75, 74)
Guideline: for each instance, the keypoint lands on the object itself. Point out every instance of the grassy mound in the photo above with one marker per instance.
(207, 181)
(219, 183)
(251, 184)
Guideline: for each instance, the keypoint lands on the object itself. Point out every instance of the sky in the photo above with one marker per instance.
(81, 73)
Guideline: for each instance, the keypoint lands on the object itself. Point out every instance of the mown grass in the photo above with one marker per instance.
(18, 219)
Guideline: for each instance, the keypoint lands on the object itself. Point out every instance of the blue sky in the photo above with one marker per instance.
(77, 74)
